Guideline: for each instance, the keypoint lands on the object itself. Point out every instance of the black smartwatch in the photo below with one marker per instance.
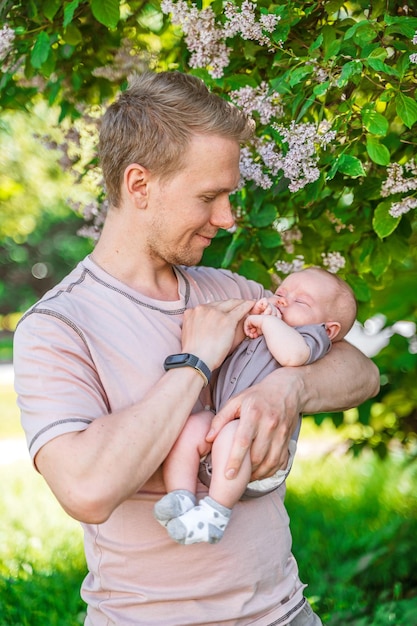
(188, 360)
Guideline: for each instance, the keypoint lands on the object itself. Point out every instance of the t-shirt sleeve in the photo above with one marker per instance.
(55, 379)
(317, 340)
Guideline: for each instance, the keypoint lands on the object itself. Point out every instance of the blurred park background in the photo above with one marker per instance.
(331, 180)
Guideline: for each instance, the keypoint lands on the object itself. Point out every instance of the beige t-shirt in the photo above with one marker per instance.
(92, 345)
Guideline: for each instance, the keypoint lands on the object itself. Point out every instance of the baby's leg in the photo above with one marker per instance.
(180, 468)
(223, 490)
(208, 521)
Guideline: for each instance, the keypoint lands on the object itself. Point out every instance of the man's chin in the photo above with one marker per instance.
(186, 259)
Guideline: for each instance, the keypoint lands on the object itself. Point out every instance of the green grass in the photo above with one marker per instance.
(41, 556)
(354, 523)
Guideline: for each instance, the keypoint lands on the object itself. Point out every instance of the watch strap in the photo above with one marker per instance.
(188, 360)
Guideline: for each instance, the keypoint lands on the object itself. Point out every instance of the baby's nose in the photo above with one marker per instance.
(282, 300)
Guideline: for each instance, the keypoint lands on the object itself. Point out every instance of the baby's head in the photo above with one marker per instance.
(316, 296)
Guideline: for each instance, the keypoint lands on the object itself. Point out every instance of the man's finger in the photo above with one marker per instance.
(238, 452)
(227, 414)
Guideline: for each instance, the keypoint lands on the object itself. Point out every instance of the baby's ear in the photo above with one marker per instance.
(332, 329)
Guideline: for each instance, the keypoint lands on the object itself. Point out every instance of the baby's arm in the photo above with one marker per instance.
(284, 342)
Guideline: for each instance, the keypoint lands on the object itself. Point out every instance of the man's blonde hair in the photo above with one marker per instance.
(152, 122)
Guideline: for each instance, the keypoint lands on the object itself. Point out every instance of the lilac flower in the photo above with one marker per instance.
(7, 36)
(244, 23)
(289, 237)
(400, 179)
(252, 170)
(299, 164)
(333, 261)
(258, 99)
(206, 39)
(288, 267)
(400, 208)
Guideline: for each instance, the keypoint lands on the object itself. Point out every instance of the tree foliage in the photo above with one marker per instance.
(331, 178)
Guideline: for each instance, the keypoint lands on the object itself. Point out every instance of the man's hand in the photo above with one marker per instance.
(268, 414)
(209, 329)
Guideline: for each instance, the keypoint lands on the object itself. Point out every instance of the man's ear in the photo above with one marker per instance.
(136, 179)
(332, 329)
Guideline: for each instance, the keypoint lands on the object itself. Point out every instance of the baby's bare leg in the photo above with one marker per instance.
(180, 468)
(223, 490)
(208, 521)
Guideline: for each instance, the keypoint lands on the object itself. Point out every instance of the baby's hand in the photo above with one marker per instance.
(264, 307)
(252, 326)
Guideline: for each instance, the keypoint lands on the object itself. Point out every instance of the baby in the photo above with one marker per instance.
(311, 309)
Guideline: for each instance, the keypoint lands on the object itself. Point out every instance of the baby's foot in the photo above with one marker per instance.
(203, 523)
(173, 504)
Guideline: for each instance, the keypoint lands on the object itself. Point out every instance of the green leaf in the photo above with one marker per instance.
(255, 271)
(405, 25)
(236, 81)
(281, 33)
(106, 12)
(316, 43)
(378, 153)
(380, 260)
(264, 217)
(333, 6)
(321, 88)
(382, 222)
(40, 51)
(69, 11)
(374, 122)
(378, 53)
(406, 108)
(380, 66)
(360, 287)
(350, 165)
(332, 50)
(50, 8)
(364, 34)
(299, 74)
(72, 35)
(269, 238)
(307, 104)
(351, 68)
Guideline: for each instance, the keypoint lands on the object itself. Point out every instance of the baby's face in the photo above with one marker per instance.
(304, 298)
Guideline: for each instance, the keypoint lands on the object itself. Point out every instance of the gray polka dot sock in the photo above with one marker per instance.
(206, 522)
(173, 504)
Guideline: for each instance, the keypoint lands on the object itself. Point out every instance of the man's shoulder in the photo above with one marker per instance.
(64, 298)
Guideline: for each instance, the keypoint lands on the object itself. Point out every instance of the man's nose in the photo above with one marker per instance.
(222, 216)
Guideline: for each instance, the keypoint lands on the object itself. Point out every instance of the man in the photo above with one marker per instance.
(101, 413)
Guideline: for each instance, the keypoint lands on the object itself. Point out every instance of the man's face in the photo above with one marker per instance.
(187, 210)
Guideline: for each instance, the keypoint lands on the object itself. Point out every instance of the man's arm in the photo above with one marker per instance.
(269, 411)
(93, 471)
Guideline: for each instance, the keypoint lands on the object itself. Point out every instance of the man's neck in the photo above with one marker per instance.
(156, 281)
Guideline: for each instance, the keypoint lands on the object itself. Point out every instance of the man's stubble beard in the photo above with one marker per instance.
(180, 256)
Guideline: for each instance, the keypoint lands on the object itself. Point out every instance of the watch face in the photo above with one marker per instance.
(177, 359)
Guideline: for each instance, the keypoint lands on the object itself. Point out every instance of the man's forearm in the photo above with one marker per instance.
(343, 379)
